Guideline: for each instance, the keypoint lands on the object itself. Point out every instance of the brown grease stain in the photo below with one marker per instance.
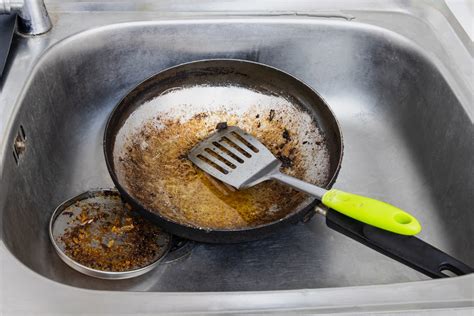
(159, 175)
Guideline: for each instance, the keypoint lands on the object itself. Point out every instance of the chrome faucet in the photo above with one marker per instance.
(33, 19)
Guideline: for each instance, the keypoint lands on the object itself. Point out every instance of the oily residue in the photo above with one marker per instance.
(152, 163)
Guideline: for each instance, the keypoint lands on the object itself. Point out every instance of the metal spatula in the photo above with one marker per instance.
(234, 157)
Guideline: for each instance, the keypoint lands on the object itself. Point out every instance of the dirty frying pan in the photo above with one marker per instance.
(150, 132)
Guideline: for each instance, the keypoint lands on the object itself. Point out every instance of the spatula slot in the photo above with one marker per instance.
(217, 156)
(233, 144)
(212, 164)
(228, 152)
(244, 141)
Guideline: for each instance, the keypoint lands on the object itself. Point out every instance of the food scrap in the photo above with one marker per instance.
(286, 135)
(286, 162)
(222, 125)
(106, 236)
(271, 115)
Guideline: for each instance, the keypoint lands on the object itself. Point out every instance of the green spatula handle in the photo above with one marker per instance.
(361, 208)
(372, 212)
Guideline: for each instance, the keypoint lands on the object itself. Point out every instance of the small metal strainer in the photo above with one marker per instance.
(96, 234)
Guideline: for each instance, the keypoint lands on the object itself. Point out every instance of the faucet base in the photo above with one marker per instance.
(33, 16)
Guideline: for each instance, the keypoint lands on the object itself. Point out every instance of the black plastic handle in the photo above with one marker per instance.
(408, 250)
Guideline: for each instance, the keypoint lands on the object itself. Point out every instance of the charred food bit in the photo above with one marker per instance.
(286, 162)
(271, 115)
(222, 125)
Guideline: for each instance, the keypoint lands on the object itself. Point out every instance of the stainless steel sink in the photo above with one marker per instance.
(403, 106)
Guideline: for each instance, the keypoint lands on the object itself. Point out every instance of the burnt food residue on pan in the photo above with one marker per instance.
(160, 176)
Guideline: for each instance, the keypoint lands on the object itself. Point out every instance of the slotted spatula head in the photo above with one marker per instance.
(234, 157)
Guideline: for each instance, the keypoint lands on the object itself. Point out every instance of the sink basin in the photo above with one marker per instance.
(407, 140)
(404, 135)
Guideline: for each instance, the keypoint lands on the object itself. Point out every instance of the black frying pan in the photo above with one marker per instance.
(257, 77)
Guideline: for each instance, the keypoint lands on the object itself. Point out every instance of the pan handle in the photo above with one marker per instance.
(408, 250)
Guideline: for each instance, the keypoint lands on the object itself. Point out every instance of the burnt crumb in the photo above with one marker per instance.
(305, 142)
(259, 124)
(200, 116)
(286, 162)
(68, 213)
(257, 116)
(222, 125)
(286, 135)
(133, 161)
(318, 142)
(271, 115)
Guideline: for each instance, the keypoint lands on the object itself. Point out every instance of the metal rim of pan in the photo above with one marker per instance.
(219, 235)
(101, 274)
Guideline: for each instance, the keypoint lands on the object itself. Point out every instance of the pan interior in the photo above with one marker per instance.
(151, 147)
